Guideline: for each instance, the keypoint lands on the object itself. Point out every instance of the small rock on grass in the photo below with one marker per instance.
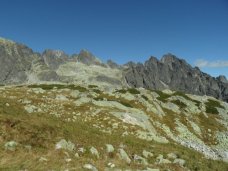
(90, 167)
(109, 148)
(124, 156)
(11, 145)
(180, 162)
(94, 152)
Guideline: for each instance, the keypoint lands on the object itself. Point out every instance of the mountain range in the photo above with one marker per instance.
(21, 65)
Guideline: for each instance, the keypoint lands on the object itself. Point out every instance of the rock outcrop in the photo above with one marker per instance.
(175, 74)
(20, 65)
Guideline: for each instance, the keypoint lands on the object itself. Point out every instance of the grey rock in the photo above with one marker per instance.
(180, 162)
(147, 154)
(63, 144)
(90, 167)
(54, 58)
(94, 152)
(161, 160)
(149, 169)
(104, 78)
(124, 156)
(81, 150)
(175, 74)
(30, 108)
(113, 65)
(15, 61)
(222, 78)
(88, 58)
(43, 159)
(109, 148)
(19, 64)
(111, 165)
(11, 145)
(172, 156)
(140, 160)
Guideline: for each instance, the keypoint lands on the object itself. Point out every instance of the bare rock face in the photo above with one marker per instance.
(19, 64)
(113, 65)
(54, 58)
(15, 61)
(88, 58)
(175, 74)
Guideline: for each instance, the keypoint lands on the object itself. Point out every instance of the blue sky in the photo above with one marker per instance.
(123, 30)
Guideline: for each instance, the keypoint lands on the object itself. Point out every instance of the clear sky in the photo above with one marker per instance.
(123, 30)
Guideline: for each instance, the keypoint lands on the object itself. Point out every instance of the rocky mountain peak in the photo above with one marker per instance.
(87, 58)
(222, 78)
(112, 64)
(54, 58)
(6, 41)
(170, 58)
(55, 53)
(153, 59)
(175, 74)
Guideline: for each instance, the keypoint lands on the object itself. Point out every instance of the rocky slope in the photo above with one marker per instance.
(78, 127)
(19, 64)
(175, 74)
(61, 112)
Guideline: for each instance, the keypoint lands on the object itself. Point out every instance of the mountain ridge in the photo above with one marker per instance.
(21, 65)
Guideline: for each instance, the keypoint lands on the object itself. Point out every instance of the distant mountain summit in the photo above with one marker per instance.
(176, 74)
(21, 65)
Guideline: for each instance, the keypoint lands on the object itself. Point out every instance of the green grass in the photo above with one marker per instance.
(92, 86)
(162, 96)
(179, 103)
(127, 104)
(122, 91)
(130, 90)
(42, 131)
(145, 98)
(58, 86)
(133, 91)
(97, 91)
(211, 106)
(178, 93)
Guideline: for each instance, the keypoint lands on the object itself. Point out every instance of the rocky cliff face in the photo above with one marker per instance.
(20, 65)
(15, 61)
(173, 73)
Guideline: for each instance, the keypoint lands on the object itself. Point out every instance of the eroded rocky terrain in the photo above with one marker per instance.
(90, 127)
(21, 65)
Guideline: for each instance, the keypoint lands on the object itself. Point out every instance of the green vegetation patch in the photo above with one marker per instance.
(162, 96)
(179, 103)
(211, 106)
(130, 90)
(178, 93)
(122, 91)
(145, 98)
(58, 86)
(126, 104)
(93, 86)
(97, 91)
(133, 91)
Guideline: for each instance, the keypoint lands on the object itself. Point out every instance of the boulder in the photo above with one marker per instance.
(94, 152)
(124, 156)
(63, 144)
(11, 145)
